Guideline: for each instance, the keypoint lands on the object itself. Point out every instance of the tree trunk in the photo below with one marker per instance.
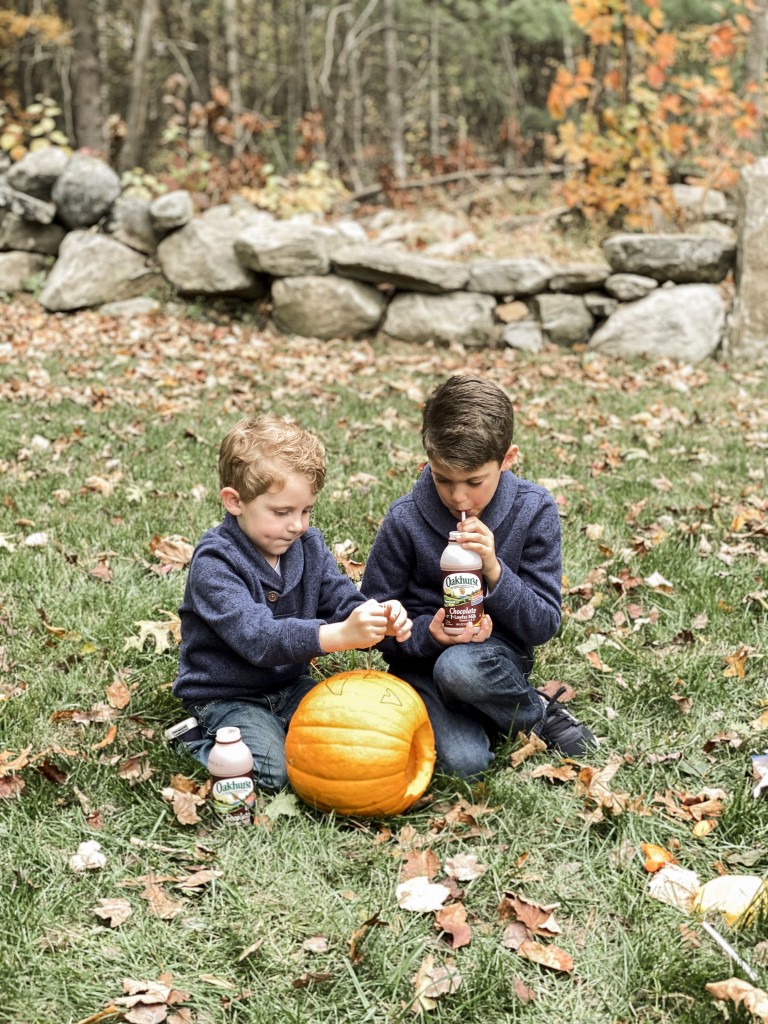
(233, 71)
(755, 66)
(394, 96)
(434, 80)
(139, 94)
(88, 116)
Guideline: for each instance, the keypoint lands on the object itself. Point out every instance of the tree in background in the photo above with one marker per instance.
(646, 105)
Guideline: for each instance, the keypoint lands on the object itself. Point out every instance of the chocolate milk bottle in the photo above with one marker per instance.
(462, 586)
(230, 764)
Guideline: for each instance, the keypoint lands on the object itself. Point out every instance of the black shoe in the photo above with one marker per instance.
(184, 731)
(561, 731)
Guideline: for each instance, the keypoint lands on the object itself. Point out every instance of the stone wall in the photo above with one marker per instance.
(64, 221)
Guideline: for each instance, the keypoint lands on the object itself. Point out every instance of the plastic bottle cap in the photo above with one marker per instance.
(228, 734)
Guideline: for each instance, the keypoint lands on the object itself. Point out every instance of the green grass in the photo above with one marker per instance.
(108, 438)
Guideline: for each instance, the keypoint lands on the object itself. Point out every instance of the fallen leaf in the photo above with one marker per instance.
(675, 886)
(420, 895)
(736, 662)
(453, 920)
(741, 993)
(531, 745)
(522, 991)
(115, 911)
(465, 867)
(88, 857)
(514, 935)
(431, 983)
(419, 862)
(547, 956)
(656, 857)
(358, 936)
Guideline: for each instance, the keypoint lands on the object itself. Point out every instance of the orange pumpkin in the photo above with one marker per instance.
(360, 743)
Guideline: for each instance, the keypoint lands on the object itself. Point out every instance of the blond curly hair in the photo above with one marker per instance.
(259, 454)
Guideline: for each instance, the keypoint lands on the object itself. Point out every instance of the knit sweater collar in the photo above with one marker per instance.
(438, 516)
(291, 561)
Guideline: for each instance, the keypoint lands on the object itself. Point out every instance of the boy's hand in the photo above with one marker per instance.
(476, 536)
(472, 634)
(364, 627)
(399, 625)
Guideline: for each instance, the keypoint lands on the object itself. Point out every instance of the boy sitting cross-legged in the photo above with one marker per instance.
(475, 684)
(265, 596)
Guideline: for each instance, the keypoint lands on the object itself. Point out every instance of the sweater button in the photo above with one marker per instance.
(272, 597)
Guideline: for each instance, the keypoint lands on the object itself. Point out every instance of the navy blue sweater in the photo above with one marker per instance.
(404, 563)
(248, 630)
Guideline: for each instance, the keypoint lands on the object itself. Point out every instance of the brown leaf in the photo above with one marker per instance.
(173, 551)
(117, 693)
(184, 805)
(419, 862)
(737, 661)
(358, 936)
(523, 992)
(465, 867)
(530, 745)
(453, 920)
(548, 956)
(108, 740)
(563, 772)
(741, 993)
(537, 917)
(160, 904)
(115, 911)
(431, 983)
(514, 935)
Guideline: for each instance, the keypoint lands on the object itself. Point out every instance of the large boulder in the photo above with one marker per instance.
(750, 319)
(129, 222)
(403, 270)
(523, 276)
(18, 234)
(685, 322)
(325, 306)
(200, 259)
(565, 319)
(464, 317)
(17, 270)
(93, 269)
(37, 171)
(283, 250)
(683, 259)
(84, 191)
(171, 211)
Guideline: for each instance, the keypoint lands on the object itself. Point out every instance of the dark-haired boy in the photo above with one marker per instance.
(475, 685)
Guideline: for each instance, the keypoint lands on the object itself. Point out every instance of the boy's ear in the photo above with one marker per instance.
(509, 459)
(230, 499)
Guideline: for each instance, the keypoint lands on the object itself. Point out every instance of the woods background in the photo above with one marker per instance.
(624, 96)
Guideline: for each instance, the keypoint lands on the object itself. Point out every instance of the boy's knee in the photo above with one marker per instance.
(467, 764)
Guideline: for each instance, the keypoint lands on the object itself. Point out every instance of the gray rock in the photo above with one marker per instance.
(31, 209)
(129, 222)
(284, 251)
(599, 304)
(84, 191)
(37, 171)
(683, 323)
(17, 269)
(199, 259)
(17, 234)
(140, 306)
(629, 287)
(93, 269)
(403, 270)
(325, 307)
(510, 277)
(525, 335)
(464, 317)
(577, 278)
(698, 202)
(683, 259)
(564, 318)
(170, 211)
(749, 333)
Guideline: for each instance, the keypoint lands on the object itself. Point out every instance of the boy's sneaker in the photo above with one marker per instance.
(561, 731)
(184, 731)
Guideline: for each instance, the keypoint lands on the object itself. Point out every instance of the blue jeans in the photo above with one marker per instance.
(473, 693)
(263, 723)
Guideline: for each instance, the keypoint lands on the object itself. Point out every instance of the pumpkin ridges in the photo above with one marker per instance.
(371, 730)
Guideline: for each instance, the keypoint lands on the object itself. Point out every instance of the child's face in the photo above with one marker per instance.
(274, 520)
(469, 491)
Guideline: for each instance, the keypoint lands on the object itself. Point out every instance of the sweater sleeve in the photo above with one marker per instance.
(220, 597)
(528, 603)
(388, 570)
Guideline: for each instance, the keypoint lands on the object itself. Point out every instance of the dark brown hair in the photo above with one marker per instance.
(467, 422)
